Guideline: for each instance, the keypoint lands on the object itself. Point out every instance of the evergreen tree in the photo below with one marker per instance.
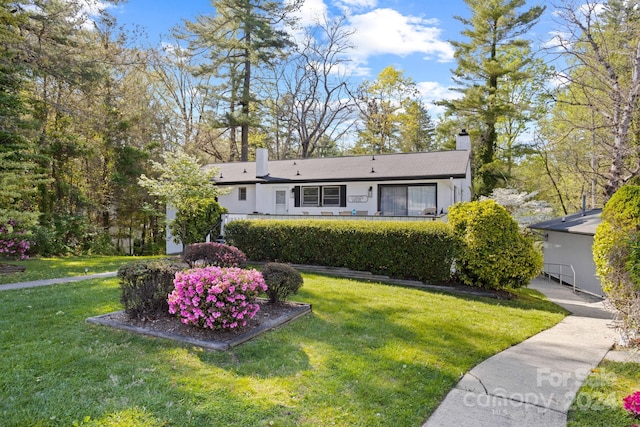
(417, 129)
(19, 176)
(485, 59)
(241, 37)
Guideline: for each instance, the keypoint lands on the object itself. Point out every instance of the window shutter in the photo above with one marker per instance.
(343, 196)
(296, 196)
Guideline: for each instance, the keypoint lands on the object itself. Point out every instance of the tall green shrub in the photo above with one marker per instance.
(411, 250)
(494, 253)
(616, 253)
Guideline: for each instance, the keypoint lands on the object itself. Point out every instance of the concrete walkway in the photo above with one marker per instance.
(45, 282)
(530, 384)
(533, 383)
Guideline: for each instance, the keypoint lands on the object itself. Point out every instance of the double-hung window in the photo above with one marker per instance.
(242, 193)
(320, 195)
(331, 196)
(310, 196)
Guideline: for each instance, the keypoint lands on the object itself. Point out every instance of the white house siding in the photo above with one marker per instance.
(261, 198)
(233, 203)
(171, 246)
(576, 250)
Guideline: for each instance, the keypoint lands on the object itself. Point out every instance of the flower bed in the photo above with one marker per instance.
(215, 297)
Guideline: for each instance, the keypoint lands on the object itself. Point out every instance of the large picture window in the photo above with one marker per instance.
(407, 200)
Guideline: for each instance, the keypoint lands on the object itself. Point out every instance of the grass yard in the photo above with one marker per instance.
(599, 401)
(368, 355)
(52, 268)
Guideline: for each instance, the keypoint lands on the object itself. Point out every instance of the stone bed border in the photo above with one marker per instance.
(301, 310)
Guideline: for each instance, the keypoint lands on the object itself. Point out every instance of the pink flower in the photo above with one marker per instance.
(216, 298)
(632, 403)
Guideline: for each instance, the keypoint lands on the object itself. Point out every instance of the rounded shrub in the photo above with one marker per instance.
(282, 280)
(495, 254)
(216, 297)
(616, 253)
(145, 285)
(213, 254)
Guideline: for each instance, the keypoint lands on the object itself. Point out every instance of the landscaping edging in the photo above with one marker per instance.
(299, 310)
(10, 268)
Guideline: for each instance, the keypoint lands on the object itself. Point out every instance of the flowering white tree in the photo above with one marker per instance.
(186, 186)
(521, 205)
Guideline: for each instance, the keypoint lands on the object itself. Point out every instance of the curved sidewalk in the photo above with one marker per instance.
(45, 282)
(533, 383)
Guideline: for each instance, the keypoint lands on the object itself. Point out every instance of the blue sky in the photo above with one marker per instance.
(413, 36)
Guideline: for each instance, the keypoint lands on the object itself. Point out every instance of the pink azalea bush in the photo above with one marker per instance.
(632, 403)
(13, 243)
(216, 297)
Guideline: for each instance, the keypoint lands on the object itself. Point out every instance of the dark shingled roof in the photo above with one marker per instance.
(578, 223)
(406, 166)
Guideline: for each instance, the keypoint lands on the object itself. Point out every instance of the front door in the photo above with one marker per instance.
(281, 202)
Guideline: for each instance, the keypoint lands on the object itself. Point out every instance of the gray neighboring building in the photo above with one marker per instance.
(568, 241)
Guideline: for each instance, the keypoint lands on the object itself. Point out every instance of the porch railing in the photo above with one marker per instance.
(560, 271)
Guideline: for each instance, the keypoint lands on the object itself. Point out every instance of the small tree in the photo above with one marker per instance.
(616, 253)
(190, 189)
(521, 205)
(495, 254)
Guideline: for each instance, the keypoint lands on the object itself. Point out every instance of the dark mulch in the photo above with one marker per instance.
(270, 316)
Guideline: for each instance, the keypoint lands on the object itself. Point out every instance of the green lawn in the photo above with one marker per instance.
(599, 401)
(368, 355)
(51, 268)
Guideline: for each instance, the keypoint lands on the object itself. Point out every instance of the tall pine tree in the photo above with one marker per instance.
(241, 37)
(495, 28)
(18, 172)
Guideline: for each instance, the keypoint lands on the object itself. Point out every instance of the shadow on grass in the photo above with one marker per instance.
(368, 355)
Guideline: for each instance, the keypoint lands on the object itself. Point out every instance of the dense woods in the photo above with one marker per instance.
(87, 107)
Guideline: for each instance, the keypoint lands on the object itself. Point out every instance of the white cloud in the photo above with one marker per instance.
(311, 12)
(350, 6)
(381, 31)
(88, 10)
(93, 7)
(386, 31)
(434, 91)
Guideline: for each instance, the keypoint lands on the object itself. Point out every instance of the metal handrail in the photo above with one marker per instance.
(560, 273)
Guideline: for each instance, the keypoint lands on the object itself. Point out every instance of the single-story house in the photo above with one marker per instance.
(379, 186)
(568, 249)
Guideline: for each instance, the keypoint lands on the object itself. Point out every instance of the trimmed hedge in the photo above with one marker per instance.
(145, 286)
(494, 254)
(411, 250)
